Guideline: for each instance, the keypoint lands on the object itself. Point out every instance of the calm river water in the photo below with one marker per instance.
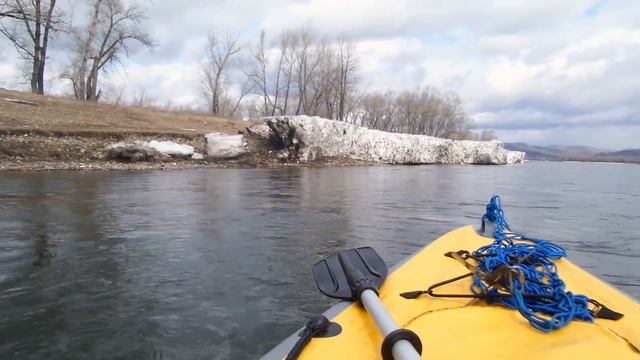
(215, 264)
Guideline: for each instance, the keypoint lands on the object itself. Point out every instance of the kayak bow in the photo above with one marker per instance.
(463, 327)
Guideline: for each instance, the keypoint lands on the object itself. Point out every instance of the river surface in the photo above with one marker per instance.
(215, 264)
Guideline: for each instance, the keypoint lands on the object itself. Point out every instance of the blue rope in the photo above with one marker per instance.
(524, 267)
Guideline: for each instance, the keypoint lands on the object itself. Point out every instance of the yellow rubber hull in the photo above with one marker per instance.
(461, 329)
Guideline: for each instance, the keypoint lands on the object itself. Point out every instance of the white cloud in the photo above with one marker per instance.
(8, 76)
(382, 18)
(10, 73)
(171, 83)
(393, 64)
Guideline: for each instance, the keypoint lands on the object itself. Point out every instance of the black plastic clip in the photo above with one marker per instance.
(317, 326)
(603, 312)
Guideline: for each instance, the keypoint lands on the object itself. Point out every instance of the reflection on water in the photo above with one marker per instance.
(216, 263)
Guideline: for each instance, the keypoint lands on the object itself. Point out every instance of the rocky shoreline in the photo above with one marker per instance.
(273, 142)
(34, 151)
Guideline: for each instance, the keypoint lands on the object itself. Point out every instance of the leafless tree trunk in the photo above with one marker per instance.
(322, 82)
(32, 24)
(214, 71)
(307, 75)
(245, 89)
(258, 73)
(79, 70)
(347, 66)
(306, 66)
(283, 75)
(114, 25)
(118, 97)
(141, 99)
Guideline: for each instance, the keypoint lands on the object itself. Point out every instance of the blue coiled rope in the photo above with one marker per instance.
(531, 281)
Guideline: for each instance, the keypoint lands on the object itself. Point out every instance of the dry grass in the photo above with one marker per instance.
(62, 116)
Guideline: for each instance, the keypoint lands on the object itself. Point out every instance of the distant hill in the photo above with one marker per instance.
(628, 155)
(574, 153)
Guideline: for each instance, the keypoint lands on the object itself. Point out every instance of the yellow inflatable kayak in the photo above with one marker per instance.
(450, 327)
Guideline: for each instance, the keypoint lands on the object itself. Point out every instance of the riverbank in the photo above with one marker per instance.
(54, 133)
(49, 133)
(31, 150)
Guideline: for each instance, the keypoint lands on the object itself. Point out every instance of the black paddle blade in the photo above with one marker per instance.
(331, 277)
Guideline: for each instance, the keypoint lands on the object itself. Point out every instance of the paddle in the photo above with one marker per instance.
(355, 275)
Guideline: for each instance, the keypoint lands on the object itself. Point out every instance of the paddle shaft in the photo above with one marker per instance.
(402, 349)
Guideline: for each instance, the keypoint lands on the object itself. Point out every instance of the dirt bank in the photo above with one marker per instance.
(53, 133)
(56, 114)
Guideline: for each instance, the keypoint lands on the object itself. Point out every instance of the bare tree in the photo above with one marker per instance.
(487, 135)
(284, 73)
(377, 111)
(303, 74)
(32, 23)
(321, 88)
(78, 70)
(425, 112)
(118, 97)
(347, 66)
(258, 73)
(215, 75)
(140, 99)
(114, 26)
(114, 94)
(274, 81)
(307, 61)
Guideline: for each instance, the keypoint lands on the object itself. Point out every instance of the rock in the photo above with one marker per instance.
(132, 152)
(171, 148)
(515, 157)
(135, 151)
(261, 130)
(197, 156)
(310, 138)
(282, 155)
(222, 146)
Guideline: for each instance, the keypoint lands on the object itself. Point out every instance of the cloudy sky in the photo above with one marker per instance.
(541, 72)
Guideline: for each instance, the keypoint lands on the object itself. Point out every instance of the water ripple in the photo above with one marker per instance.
(216, 263)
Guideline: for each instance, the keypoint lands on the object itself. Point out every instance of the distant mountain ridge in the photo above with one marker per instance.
(574, 153)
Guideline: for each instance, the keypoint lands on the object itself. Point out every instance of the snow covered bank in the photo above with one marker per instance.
(304, 139)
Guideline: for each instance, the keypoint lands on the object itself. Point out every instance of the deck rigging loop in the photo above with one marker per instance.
(519, 272)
